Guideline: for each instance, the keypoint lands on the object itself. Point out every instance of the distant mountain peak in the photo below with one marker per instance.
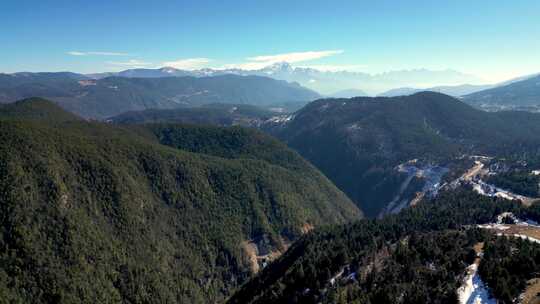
(169, 70)
(319, 79)
(282, 66)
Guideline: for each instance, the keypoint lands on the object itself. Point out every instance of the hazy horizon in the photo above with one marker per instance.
(357, 36)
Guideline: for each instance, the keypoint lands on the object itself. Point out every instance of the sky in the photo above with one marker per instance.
(494, 40)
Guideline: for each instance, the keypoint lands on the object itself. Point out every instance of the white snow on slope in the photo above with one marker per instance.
(281, 119)
(473, 290)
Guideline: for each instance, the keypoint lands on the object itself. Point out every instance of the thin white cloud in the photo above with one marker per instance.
(187, 64)
(295, 57)
(78, 53)
(259, 62)
(133, 63)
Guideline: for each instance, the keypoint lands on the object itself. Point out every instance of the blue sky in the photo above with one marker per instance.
(494, 40)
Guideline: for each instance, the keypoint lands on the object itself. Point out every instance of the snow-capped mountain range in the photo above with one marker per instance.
(325, 82)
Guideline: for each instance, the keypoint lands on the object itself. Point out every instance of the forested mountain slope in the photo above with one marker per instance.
(358, 142)
(522, 94)
(213, 114)
(103, 98)
(94, 213)
(417, 256)
(37, 109)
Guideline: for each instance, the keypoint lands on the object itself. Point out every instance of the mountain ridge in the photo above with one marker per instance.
(99, 99)
(371, 136)
(519, 94)
(455, 91)
(325, 82)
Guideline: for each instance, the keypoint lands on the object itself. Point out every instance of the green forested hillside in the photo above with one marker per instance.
(36, 109)
(214, 114)
(508, 265)
(233, 142)
(93, 213)
(358, 142)
(416, 256)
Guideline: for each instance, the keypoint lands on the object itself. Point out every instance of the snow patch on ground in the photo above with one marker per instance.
(473, 177)
(281, 119)
(473, 290)
(485, 189)
(494, 226)
(354, 127)
(430, 174)
(500, 226)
